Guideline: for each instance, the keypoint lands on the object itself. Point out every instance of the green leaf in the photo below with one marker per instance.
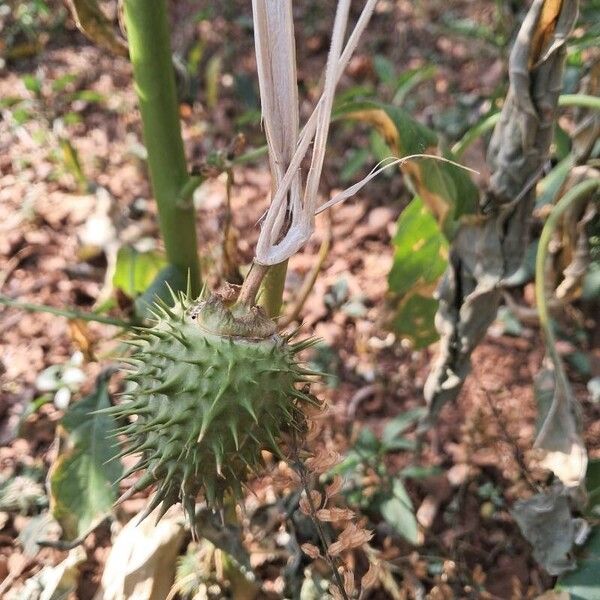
(591, 283)
(562, 142)
(82, 488)
(90, 96)
(379, 147)
(420, 249)
(61, 83)
(212, 77)
(385, 69)
(592, 483)
(401, 423)
(510, 322)
(135, 271)
(32, 84)
(158, 289)
(355, 161)
(367, 444)
(584, 582)
(399, 513)
(410, 79)
(415, 320)
(71, 162)
(417, 472)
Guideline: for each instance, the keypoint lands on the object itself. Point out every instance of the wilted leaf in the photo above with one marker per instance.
(554, 595)
(487, 253)
(559, 439)
(353, 536)
(82, 489)
(21, 493)
(141, 564)
(584, 582)
(398, 512)
(311, 551)
(446, 189)
(548, 525)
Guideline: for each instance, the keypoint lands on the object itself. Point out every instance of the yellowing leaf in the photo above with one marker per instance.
(446, 189)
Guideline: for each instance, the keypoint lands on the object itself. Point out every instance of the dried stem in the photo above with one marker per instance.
(325, 541)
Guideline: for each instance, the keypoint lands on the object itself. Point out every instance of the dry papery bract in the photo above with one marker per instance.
(352, 537)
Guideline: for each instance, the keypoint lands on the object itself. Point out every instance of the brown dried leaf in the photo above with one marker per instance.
(349, 585)
(322, 461)
(316, 498)
(311, 551)
(334, 487)
(314, 430)
(352, 537)
(304, 506)
(335, 592)
(335, 514)
(369, 579)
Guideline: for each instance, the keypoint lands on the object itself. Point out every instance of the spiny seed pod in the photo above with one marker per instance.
(208, 388)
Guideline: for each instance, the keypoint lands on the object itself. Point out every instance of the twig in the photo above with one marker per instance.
(325, 542)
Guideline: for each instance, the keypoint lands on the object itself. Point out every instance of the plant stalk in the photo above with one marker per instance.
(577, 194)
(271, 293)
(150, 52)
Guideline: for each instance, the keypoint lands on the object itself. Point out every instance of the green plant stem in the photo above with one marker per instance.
(250, 155)
(150, 53)
(476, 131)
(576, 194)
(488, 123)
(580, 100)
(271, 292)
(68, 313)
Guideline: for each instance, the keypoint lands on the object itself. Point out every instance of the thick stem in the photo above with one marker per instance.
(271, 294)
(150, 52)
